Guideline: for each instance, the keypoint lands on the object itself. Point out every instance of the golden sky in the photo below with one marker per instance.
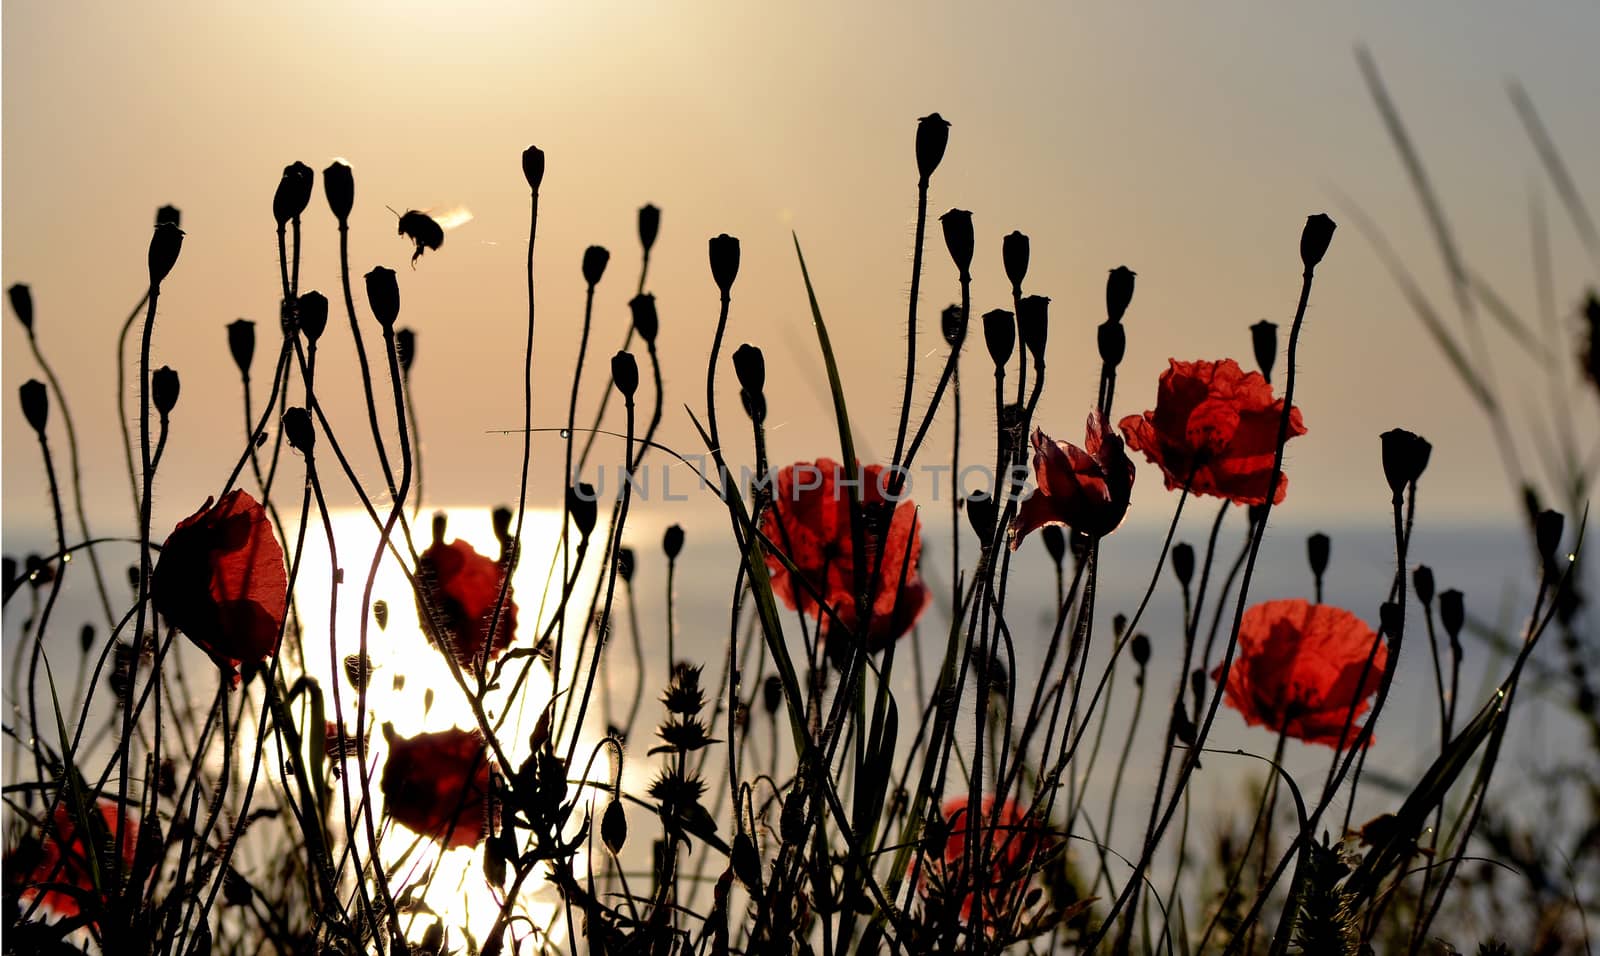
(1187, 141)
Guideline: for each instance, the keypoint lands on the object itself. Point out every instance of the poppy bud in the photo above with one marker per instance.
(164, 247)
(35, 404)
(1119, 625)
(1547, 535)
(1014, 253)
(22, 305)
(339, 185)
(1405, 456)
(242, 343)
(1183, 563)
(1033, 321)
(383, 295)
(164, 390)
(957, 224)
(405, 349)
(1391, 619)
(1318, 547)
(614, 827)
(772, 693)
(625, 373)
(500, 520)
(1140, 647)
(645, 320)
(311, 315)
(1264, 337)
(625, 559)
(380, 613)
(953, 325)
(594, 264)
(1054, 542)
(724, 254)
(294, 193)
(297, 428)
(169, 214)
(672, 541)
(533, 167)
(1113, 342)
(933, 135)
(1119, 292)
(746, 861)
(1452, 614)
(582, 505)
(1000, 334)
(750, 367)
(1422, 581)
(440, 524)
(86, 638)
(981, 513)
(649, 225)
(1314, 239)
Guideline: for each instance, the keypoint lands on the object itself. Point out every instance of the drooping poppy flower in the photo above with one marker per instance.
(438, 785)
(810, 520)
(1010, 840)
(57, 870)
(1299, 668)
(1085, 489)
(1214, 427)
(462, 587)
(221, 581)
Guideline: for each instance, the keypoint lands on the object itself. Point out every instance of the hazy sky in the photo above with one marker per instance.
(1188, 141)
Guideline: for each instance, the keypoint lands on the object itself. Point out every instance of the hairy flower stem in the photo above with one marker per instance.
(911, 324)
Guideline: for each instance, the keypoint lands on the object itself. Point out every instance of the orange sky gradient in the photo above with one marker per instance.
(1186, 141)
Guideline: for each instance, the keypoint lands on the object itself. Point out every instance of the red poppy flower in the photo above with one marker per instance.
(438, 785)
(1085, 489)
(810, 520)
(1011, 840)
(463, 586)
(57, 871)
(1215, 427)
(1299, 670)
(221, 581)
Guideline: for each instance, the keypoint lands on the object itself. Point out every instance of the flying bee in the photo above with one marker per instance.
(427, 229)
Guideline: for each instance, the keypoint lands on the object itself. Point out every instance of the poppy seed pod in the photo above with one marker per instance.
(242, 343)
(533, 167)
(1000, 335)
(1422, 581)
(1033, 322)
(1183, 563)
(933, 135)
(1054, 542)
(724, 254)
(311, 315)
(1264, 338)
(1119, 292)
(645, 320)
(672, 542)
(1014, 253)
(1547, 527)
(649, 225)
(165, 245)
(625, 559)
(294, 193)
(339, 185)
(1405, 457)
(981, 514)
(594, 264)
(169, 214)
(1391, 618)
(164, 390)
(614, 827)
(1314, 239)
(383, 295)
(500, 520)
(1140, 648)
(405, 349)
(751, 368)
(953, 326)
(582, 505)
(1318, 547)
(35, 404)
(1113, 341)
(957, 225)
(772, 693)
(1452, 614)
(625, 373)
(298, 429)
(22, 304)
